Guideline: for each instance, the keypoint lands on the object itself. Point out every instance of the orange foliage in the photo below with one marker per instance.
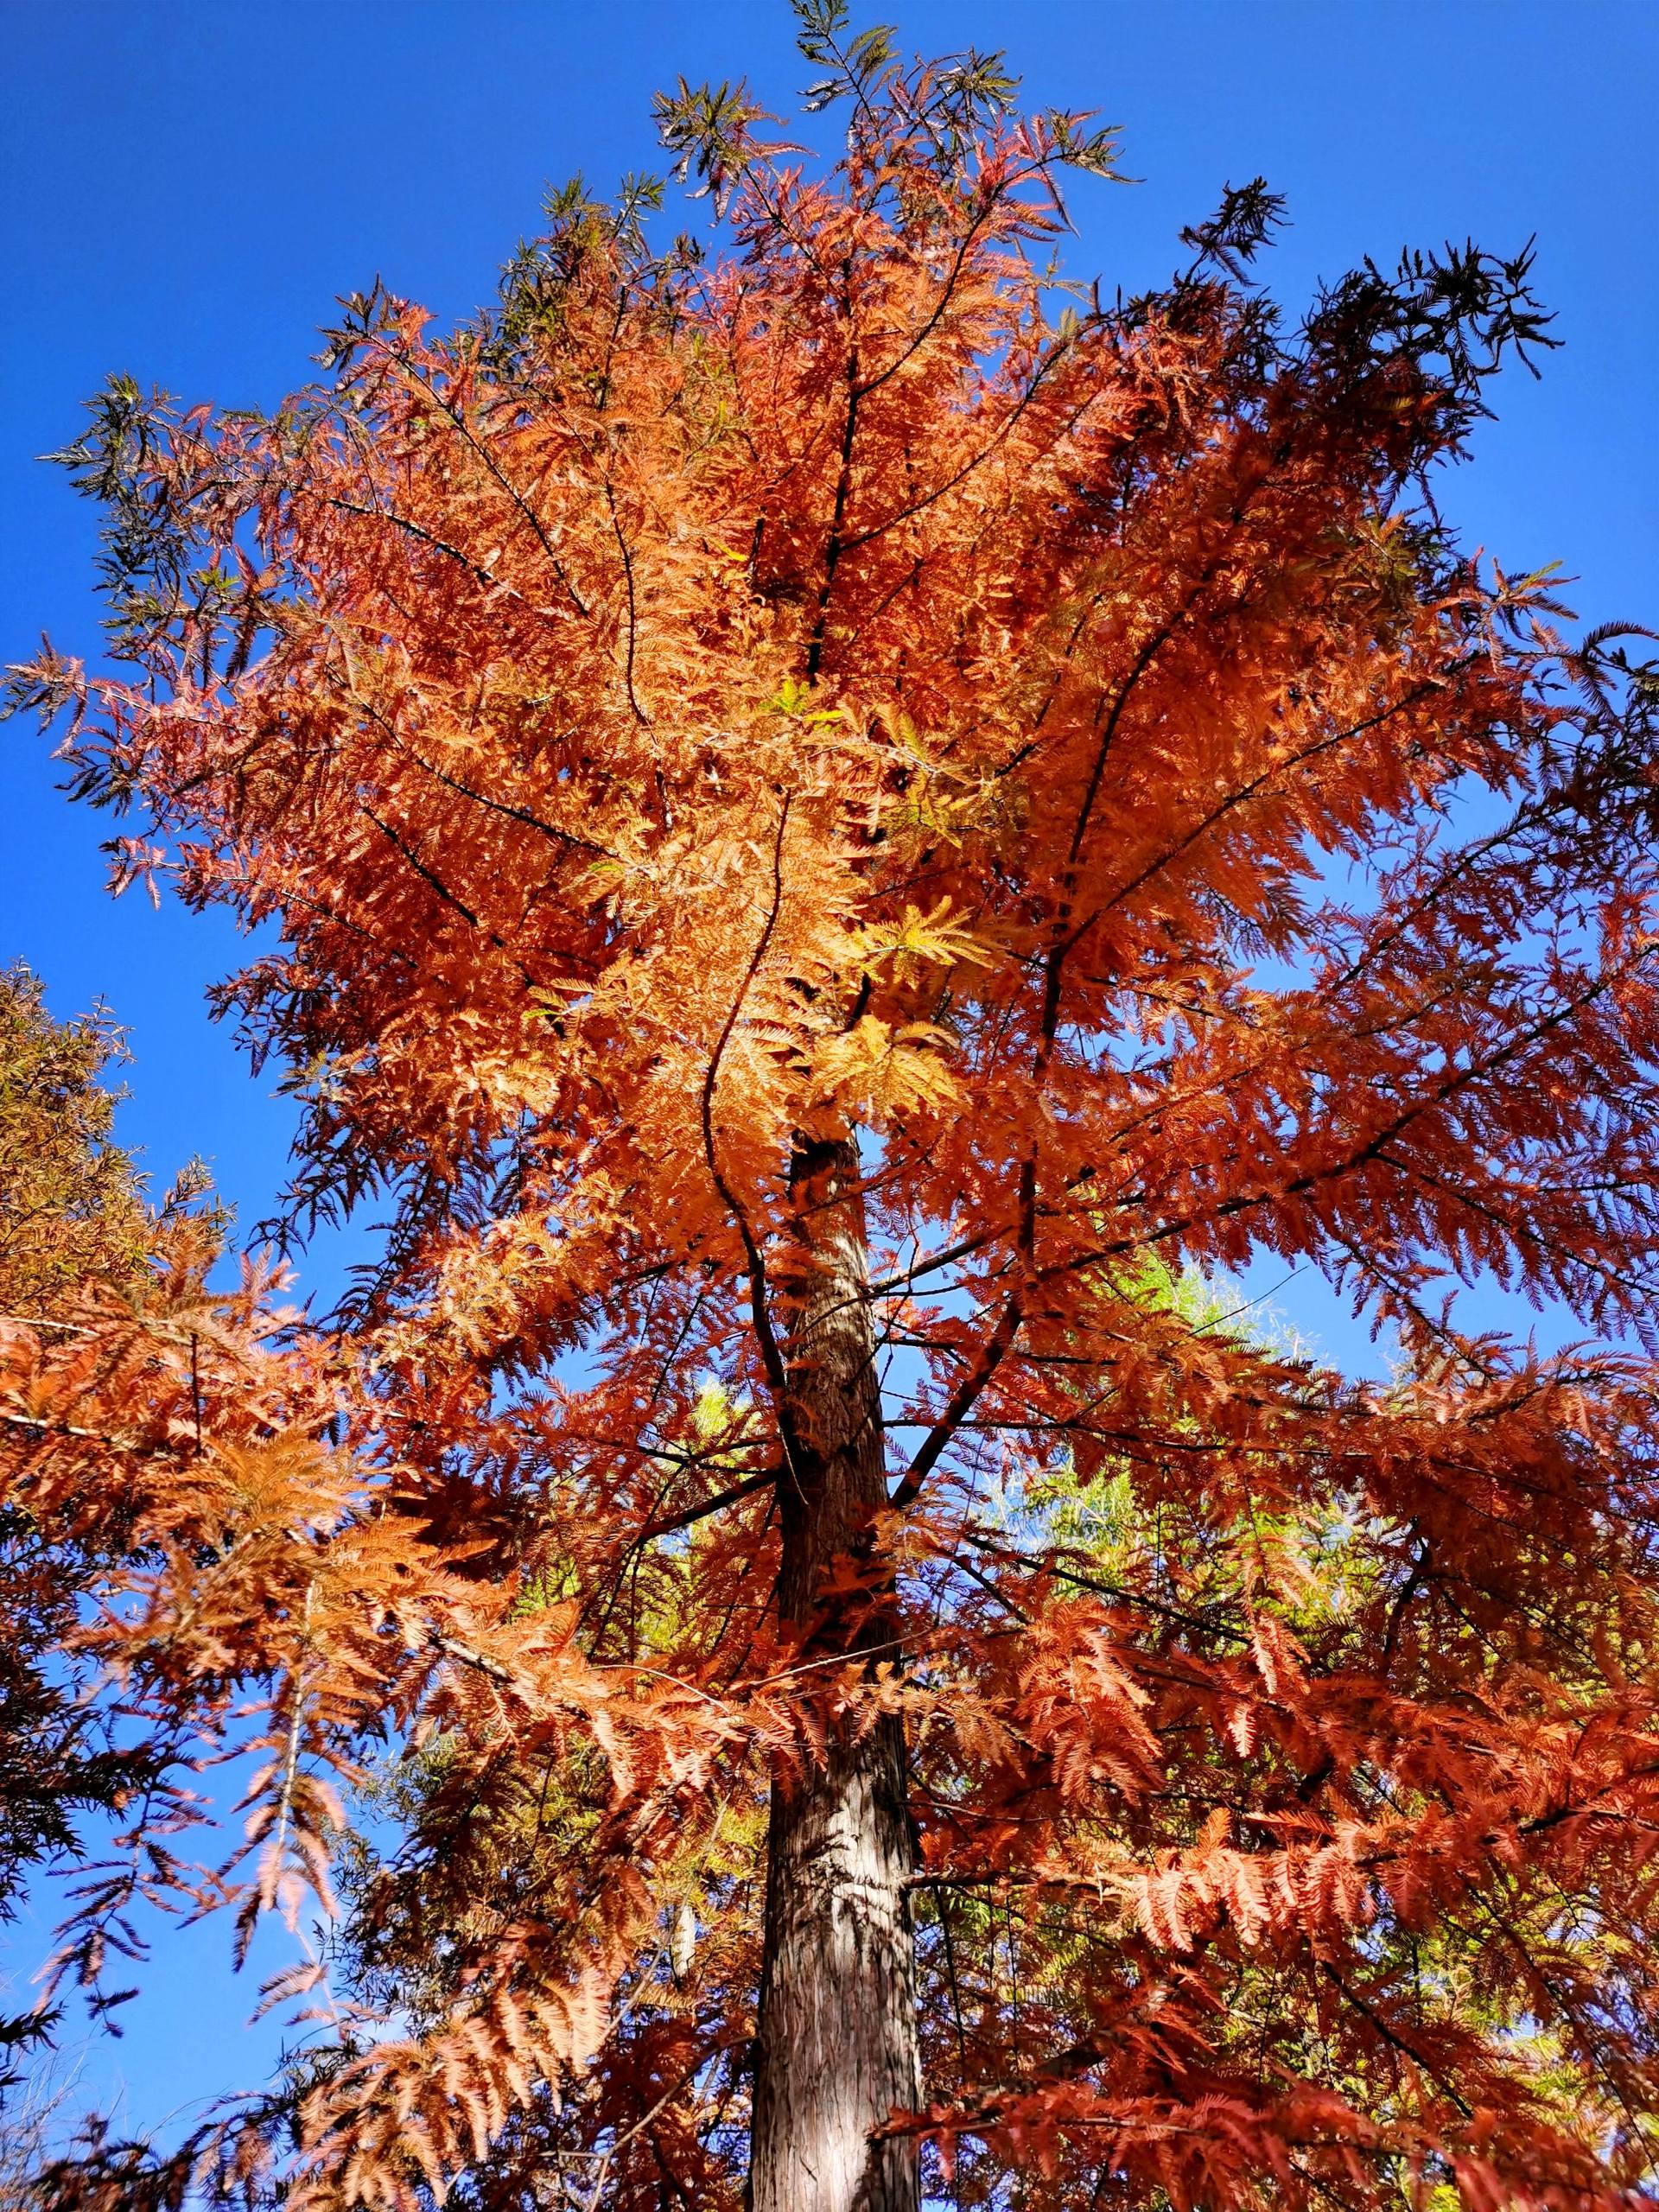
(832, 688)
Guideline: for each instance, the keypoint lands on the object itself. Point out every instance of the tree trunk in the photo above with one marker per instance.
(837, 2044)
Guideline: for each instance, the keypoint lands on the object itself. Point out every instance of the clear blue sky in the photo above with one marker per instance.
(186, 186)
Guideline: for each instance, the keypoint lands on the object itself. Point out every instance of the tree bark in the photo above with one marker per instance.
(836, 2042)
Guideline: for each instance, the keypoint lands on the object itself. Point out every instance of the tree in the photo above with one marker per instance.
(71, 1209)
(832, 814)
(72, 1218)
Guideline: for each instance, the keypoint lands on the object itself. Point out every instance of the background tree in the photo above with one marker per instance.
(830, 812)
(71, 1205)
(73, 1222)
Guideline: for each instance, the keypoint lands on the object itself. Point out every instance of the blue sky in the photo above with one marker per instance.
(189, 184)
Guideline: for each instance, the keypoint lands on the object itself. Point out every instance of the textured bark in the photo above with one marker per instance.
(837, 2041)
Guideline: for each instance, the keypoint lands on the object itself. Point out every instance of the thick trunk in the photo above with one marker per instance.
(837, 2041)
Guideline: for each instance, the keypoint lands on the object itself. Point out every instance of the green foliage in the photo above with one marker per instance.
(71, 1206)
(709, 130)
(144, 555)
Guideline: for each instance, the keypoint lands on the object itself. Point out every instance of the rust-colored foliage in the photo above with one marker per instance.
(835, 694)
